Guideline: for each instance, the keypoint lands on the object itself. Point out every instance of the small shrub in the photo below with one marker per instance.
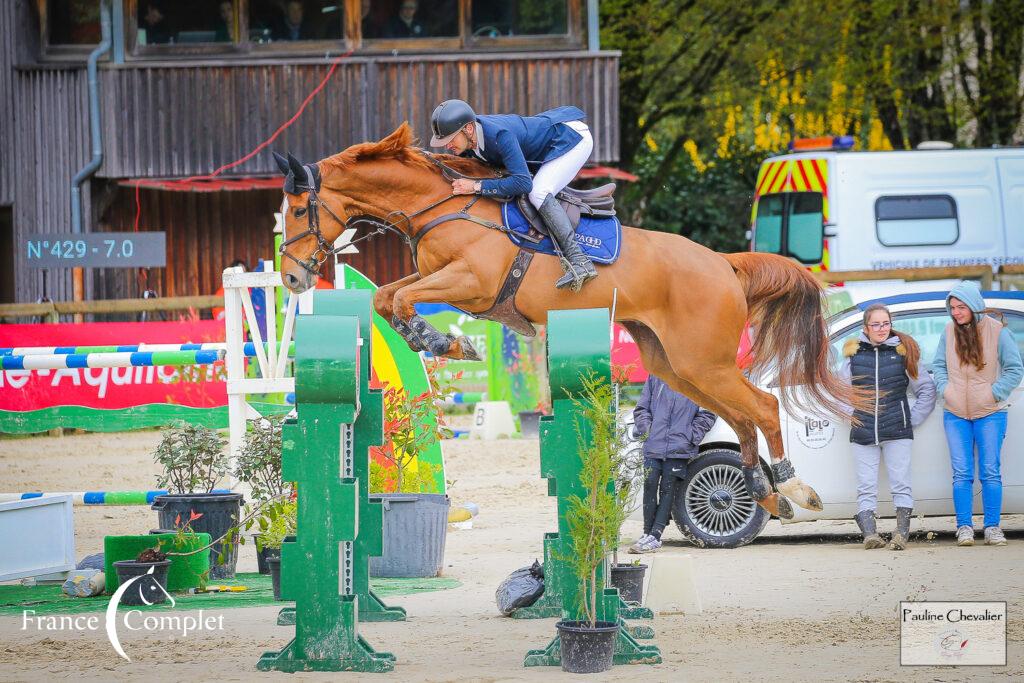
(193, 458)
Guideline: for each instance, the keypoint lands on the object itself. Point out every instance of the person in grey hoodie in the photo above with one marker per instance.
(673, 426)
(977, 364)
(887, 363)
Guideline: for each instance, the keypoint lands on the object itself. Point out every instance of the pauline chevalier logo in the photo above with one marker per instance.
(953, 633)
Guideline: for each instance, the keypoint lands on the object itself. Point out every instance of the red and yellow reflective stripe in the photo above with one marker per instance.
(792, 175)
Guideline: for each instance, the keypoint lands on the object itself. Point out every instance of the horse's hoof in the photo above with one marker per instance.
(469, 352)
(777, 506)
(800, 493)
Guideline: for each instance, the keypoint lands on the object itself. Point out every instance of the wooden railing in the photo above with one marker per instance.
(982, 273)
(51, 310)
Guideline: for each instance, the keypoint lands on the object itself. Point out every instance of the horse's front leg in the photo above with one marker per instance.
(454, 282)
(383, 303)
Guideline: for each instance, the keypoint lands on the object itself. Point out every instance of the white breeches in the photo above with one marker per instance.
(557, 173)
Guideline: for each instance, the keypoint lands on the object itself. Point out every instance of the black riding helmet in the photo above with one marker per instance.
(448, 119)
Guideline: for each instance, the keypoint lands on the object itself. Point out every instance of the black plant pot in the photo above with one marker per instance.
(274, 567)
(149, 588)
(262, 553)
(586, 650)
(220, 512)
(629, 579)
(529, 423)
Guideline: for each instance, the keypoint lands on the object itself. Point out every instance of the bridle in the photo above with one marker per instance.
(326, 249)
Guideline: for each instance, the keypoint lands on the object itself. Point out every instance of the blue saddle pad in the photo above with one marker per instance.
(599, 238)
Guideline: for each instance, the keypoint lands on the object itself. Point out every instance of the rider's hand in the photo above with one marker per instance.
(464, 186)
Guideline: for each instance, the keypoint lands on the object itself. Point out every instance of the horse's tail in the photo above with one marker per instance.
(786, 304)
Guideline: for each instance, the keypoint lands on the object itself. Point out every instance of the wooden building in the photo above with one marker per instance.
(188, 86)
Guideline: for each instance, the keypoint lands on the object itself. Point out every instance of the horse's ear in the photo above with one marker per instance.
(282, 163)
(295, 166)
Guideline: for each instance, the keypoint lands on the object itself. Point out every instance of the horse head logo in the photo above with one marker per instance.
(152, 587)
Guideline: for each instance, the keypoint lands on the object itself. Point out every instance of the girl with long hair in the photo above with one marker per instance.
(977, 364)
(887, 363)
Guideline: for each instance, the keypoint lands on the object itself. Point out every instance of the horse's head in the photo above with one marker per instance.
(385, 183)
(308, 234)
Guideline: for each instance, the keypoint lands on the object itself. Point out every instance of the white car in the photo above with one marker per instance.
(716, 510)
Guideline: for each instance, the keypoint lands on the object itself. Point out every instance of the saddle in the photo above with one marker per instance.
(596, 203)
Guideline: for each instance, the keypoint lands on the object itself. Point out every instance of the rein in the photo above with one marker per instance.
(325, 249)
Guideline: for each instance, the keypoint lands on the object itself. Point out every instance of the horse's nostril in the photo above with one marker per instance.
(291, 280)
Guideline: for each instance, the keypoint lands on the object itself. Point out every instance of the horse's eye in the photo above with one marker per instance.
(300, 212)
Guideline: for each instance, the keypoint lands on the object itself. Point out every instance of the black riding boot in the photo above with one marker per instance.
(901, 536)
(866, 522)
(578, 268)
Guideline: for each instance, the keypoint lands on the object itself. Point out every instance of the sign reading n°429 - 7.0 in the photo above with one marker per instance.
(96, 250)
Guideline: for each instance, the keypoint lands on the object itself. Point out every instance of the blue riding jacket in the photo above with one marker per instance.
(518, 143)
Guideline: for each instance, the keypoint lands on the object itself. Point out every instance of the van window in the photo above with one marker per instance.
(790, 223)
(804, 233)
(768, 225)
(916, 220)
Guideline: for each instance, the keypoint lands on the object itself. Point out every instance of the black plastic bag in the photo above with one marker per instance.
(522, 588)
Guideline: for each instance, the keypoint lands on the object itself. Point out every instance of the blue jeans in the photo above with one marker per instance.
(986, 434)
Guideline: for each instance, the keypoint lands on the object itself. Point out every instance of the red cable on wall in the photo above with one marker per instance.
(260, 147)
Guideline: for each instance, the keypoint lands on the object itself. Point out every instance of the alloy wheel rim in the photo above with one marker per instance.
(717, 501)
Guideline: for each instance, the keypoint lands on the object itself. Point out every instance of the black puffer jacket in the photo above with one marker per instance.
(883, 370)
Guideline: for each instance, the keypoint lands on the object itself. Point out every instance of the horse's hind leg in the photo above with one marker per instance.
(656, 361)
(786, 481)
(726, 383)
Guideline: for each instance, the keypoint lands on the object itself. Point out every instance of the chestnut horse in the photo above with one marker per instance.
(684, 304)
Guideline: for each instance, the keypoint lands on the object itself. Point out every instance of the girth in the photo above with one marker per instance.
(504, 310)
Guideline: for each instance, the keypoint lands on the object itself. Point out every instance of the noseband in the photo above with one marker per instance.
(325, 249)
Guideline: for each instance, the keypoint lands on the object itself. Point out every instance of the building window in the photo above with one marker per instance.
(72, 22)
(291, 21)
(409, 19)
(519, 18)
(248, 27)
(185, 22)
(913, 221)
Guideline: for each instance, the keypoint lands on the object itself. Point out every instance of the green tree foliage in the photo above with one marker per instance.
(706, 202)
(737, 80)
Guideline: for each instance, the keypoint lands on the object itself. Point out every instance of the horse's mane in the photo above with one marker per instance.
(399, 146)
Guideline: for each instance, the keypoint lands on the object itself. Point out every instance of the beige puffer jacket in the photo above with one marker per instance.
(969, 392)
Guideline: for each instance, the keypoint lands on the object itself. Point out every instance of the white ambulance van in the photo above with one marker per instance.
(834, 209)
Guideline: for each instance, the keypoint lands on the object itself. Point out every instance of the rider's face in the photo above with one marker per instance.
(460, 143)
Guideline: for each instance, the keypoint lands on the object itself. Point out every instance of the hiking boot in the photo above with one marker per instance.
(965, 536)
(994, 536)
(578, 268)
(901, 536)
(866, 521)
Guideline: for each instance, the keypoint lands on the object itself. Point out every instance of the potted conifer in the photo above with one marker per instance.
(194, 459)
(588, 644)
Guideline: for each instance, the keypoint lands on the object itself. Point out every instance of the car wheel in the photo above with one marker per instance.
(713, 507)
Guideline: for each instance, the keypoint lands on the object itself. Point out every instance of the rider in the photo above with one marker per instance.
(557, 141)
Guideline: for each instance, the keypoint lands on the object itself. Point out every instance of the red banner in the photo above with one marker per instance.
(200, 386)
(625, 353)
